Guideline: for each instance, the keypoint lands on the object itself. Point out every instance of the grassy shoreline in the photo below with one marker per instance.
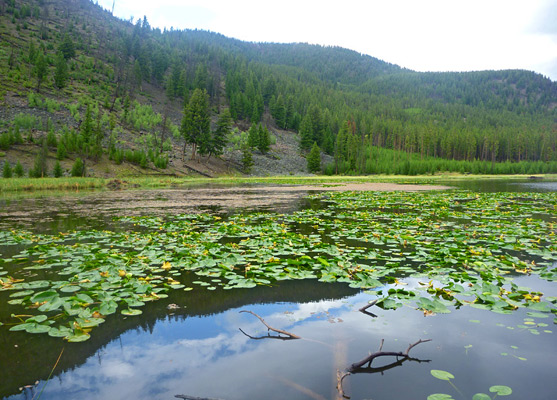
(77, 184)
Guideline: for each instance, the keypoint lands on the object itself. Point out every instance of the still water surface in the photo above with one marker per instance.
(199, 350)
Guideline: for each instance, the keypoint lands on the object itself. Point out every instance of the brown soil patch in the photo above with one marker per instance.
(50, 211)
(358, 187)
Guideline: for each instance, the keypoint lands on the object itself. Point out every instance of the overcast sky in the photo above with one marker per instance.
(423, 35)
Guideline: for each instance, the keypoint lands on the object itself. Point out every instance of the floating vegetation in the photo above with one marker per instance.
(464, 250)
(498, 390)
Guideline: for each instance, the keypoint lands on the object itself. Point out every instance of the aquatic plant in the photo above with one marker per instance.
(463, 248)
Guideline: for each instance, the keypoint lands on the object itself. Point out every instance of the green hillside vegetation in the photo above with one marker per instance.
(106, 91)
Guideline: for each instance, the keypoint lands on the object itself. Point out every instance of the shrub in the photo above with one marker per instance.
(5, 140)
(78, 168)
(7, 170)
(51, 140)
(25, 121)
(161, 161)
(57, 170)
(18, 170)
(40, 168)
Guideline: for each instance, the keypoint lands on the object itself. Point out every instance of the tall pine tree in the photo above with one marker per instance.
(219, 139)
(196, 123)
(61, 71)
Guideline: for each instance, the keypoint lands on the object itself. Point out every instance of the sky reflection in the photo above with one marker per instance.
(210, 357)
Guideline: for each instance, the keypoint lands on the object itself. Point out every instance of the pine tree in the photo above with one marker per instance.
(279, 112)
(87, 125)
(253, 136)
(61, 71)
(61, 151)
(40, 167)
(201, 77)
(31, 57)
(78, 168)
(314, 159)
(41, 69)
(247, 159)
(220, 136)
(264, 141)
(18, 169)
(7, 170)
(317, 124)
(67, 48)
(196, 123)
(51, 140)
(32, 52)
(57, 171)
(306, 133)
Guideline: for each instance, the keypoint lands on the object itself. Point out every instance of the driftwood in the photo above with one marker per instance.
(186, 397)
(270, 328)
(357, 367)
(268, 336)
(380, 353)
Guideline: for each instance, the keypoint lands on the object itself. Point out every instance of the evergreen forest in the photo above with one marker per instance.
(82, 86)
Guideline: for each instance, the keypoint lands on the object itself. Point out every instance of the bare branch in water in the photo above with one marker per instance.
(279, 331)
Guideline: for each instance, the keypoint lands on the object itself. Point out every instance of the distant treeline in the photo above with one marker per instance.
(354, 107)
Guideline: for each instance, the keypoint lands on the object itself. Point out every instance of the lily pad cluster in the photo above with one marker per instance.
(497, 390)
(464, 248)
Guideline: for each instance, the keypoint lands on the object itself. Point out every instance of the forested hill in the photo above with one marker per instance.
(111, 86)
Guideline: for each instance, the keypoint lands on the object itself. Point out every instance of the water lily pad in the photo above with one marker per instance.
(61, 331)
(47, 295)
(440, 396)
(501, 390)
(481, 396)
(77, 337)
(22, 293)
(131, 311)
(443, 375)
(70, 288)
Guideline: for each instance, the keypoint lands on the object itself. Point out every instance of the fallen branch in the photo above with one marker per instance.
(270, 328)
(365, 311)
(186, 397)
(269, 336)
(380, 353)
(357, 367)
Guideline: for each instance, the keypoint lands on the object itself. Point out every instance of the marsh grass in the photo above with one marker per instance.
(42, 184)
(79, 183)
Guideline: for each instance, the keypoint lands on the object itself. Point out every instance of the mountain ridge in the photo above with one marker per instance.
(313, 91)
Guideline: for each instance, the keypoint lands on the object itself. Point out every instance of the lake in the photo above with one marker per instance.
(472, 269)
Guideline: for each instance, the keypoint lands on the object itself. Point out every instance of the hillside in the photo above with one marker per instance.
(113, 93)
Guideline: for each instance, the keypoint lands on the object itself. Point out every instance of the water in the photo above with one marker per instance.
(501, 185)
(199, 350)
(204, 354)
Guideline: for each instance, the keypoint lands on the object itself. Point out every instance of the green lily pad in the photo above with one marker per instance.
(131, 311)
(501, 390)
(60, 332)
(443, 375)
(440, 396)
(77, 337)
(70, 288)
(23, 293)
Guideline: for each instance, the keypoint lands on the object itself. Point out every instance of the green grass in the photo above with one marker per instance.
(39, 185)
